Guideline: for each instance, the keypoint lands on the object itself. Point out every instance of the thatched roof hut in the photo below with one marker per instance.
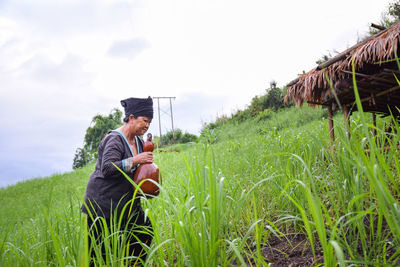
(375, 69)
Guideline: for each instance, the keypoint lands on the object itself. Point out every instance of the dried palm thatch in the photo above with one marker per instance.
(372, 59)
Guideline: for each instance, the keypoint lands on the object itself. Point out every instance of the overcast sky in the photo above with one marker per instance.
(62, 62)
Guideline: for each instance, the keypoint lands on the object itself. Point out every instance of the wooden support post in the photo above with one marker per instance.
(347, 120)
(331, 132)
(374, 123)
(373, 101)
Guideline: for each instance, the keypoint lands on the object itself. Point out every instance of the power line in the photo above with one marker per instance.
(159, 116)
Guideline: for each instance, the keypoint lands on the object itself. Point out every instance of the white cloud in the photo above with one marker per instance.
(128, 48)
(66, 18)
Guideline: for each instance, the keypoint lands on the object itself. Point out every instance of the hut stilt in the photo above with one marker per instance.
(374, 123)
(347, 120)
(331, 131)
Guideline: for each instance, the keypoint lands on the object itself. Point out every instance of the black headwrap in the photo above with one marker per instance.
(138, 107)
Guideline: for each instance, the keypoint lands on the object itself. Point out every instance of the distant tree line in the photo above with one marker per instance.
(263, 105)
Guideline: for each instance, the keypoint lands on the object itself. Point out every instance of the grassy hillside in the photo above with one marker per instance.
(26, 200)
(257, 192)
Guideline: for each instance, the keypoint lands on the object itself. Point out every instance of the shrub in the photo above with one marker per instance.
(177, 137)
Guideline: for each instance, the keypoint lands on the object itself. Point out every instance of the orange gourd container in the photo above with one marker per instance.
(148, 171)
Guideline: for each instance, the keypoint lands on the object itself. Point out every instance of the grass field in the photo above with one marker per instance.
(223, 202)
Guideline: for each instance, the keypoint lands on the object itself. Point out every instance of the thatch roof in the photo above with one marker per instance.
(375, 70)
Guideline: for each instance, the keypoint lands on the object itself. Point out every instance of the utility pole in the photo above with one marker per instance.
(172, 118)
(159, 120)
(171, 114)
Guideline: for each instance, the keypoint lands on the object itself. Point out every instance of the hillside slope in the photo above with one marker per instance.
(27, 200)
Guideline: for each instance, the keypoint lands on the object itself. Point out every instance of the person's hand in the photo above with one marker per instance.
(143, 158)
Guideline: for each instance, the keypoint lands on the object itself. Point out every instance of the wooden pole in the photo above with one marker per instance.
(347, 120)
(374, 123)
(379, 27)
(331, 132)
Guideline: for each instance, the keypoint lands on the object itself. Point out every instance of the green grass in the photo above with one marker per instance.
(221, 202)
(33, 212)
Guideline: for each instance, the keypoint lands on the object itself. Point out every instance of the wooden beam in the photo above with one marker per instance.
(391, 71)
(368, 76)
(381, 108)
(377, 95)
(379, 27)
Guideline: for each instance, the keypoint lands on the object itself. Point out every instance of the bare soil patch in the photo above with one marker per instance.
(292, 251)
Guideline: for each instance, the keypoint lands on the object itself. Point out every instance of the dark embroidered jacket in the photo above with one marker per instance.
(107, 188)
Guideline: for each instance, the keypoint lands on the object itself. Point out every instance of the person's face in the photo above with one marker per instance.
(140, 125)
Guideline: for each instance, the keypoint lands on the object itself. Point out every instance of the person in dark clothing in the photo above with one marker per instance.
(109, 198)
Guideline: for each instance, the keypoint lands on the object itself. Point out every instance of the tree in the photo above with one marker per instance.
(81, 158)
(188, 137)
(273, 99)
(394, 11)
(100, 126)
(177, 137)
